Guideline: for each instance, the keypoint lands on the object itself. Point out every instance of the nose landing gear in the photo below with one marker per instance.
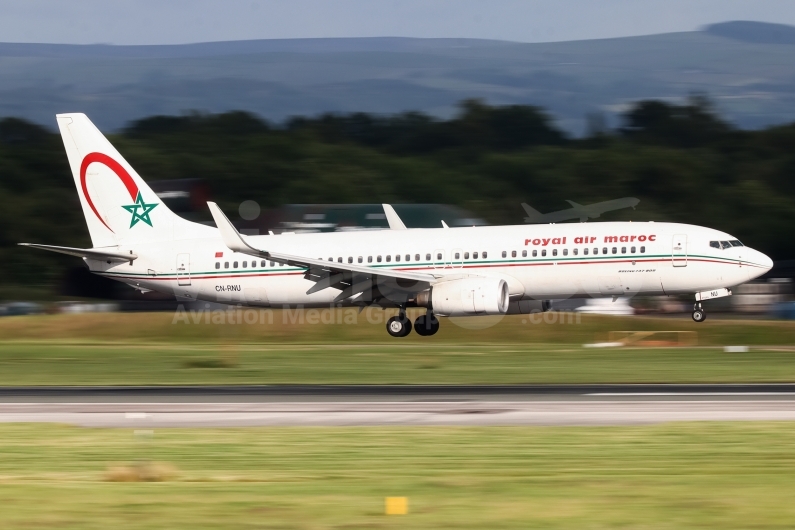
(699, 315)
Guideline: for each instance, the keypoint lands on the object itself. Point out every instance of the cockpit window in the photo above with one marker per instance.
(736, 243)
(725, 244)
(714, 244)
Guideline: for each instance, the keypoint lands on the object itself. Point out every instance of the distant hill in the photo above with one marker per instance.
(756, 32)
(752, 80)
(242, 47)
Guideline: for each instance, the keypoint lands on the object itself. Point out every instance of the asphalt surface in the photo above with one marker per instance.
(156, 407)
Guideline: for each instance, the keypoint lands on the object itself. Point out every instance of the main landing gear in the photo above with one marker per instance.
(400, 325)
(426, 325)
(699, 315)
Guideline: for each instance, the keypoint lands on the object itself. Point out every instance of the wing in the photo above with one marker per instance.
(352, 279)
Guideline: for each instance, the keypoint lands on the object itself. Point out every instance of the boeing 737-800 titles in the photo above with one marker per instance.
(482, 270)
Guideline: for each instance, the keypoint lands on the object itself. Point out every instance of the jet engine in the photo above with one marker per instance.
(466, 297)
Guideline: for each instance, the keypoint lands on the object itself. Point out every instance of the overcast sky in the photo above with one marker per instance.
(182, 21)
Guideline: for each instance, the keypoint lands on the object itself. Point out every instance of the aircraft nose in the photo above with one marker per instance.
(760, 264)
(765, 261)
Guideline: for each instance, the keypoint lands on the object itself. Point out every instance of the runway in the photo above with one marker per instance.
(159, 407)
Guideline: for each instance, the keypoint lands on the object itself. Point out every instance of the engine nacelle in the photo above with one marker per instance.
(466, 297)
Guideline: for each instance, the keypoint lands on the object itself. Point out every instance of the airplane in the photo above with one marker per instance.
(462, 271)
(578, 211)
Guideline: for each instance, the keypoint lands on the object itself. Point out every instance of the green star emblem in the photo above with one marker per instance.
(143, 215)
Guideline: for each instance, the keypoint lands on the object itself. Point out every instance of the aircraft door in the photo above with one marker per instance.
(679, 250)
(438, 259)
(457, 258)
(183, 269)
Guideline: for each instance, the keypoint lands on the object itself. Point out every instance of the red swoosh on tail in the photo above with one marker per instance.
(114, 166)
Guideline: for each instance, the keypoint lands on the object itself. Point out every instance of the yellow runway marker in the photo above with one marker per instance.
(397, 505)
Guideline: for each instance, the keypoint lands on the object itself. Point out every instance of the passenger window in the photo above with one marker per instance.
(331, 259)
(466, 255)
(485, 255)
(574, 251)
(524, 253)
(642, 250)
(615, 250)
(339, 260)
(544, 252)
(360, 259)
(535, 253)
(457, 255)
(281, 264)
(504, 254)
(397, 257)
(585, 252)
(234, 265)
(369, 259)
(439, 256)
(245, 264)
(378, 259)
(554, 252)
(513, 253)
(262, 263)
(416, 257)
(632, 250)
(408, 257)
(474, 255)
(604, 250)
(388, 258)
(427, 257)
(226, 264)
(217, 264)
(714, 244)
(623, 250)
(350, 259)
(565, 252)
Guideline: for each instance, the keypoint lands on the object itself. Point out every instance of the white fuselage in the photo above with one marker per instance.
(536, 261)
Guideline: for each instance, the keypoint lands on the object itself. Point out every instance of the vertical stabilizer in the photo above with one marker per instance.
(118, 205)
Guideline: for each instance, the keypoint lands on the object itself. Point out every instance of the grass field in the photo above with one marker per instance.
(696, 475)
(195, 364)
(347, 326)
(148, 349)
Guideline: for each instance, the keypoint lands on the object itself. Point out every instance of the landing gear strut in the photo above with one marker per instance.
(399, 326)
(426, 325)
(699, 315)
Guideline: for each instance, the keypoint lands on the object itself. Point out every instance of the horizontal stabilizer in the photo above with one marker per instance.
(90, 253)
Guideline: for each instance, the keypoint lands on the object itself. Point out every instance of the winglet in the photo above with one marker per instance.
(444, 225)
(392, 218)
(231, 237)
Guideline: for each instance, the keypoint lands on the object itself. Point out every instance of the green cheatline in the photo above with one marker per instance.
(683, 475)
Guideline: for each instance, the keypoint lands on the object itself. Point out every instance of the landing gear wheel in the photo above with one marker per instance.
(699, 315)
(398, 326)
(426, 325)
